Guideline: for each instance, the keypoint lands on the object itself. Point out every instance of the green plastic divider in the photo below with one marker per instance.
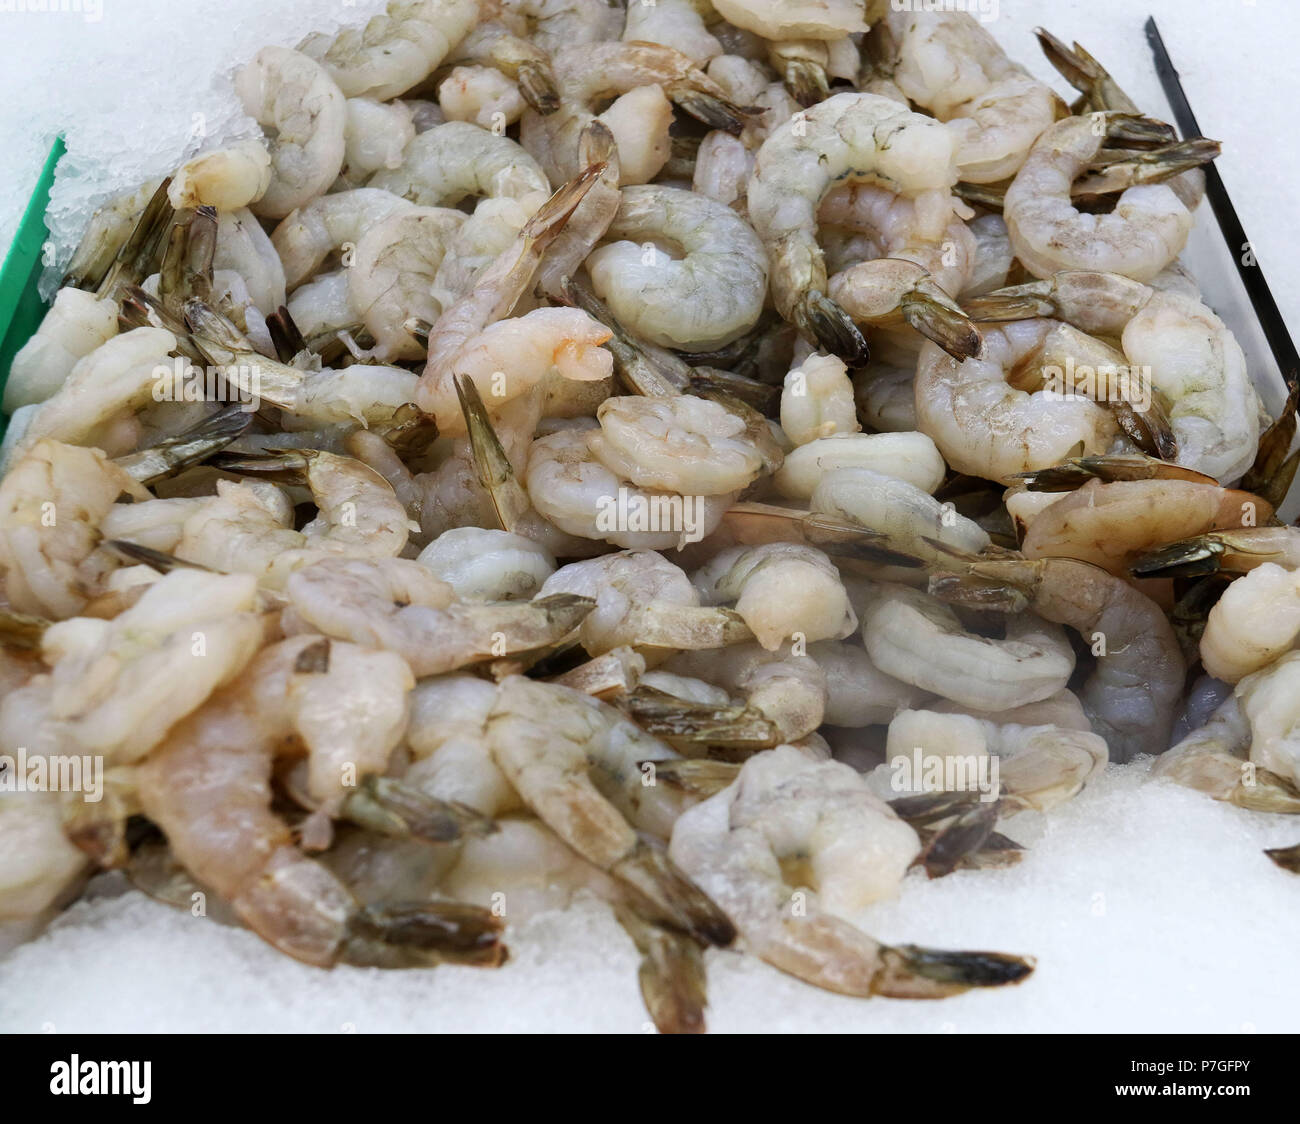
(21, 306)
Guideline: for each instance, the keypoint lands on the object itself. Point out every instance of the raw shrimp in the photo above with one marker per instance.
(117, 378)
(577, 764)
(817, 401)
(703, 300)
(886, 398)
(209, 789)
(992, 258)
(1108, 523)
(39, 865)
(687, 445)
(1255, 621)
(1131, 694)
(919, 640)
(782, 591)
(523, 65)
(107, 233)
(358, 517)
(788, 849)
(329, 223)
(574, 490)
(786, 689)
(909, 457)
(860, 136)
(949, 64)
(228, 179)
(394, 51)
(795, 19)
(449, 162)
(673, 23)
(1039, 765)
(511, 357)
(553, 24)
(376, 136)
(644, 602)
(482, 96)
(51, 502)
(391, 280)
(401, 606)
(289, 93)
(986, 426)
(244, 248)
(1188, 354)
(76, 324)
(103, 692)
(927, 230)
(1147, 230)
(487, 565)
(1232, 552)
(858, 693)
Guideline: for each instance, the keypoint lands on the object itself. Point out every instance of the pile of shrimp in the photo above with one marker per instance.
(661, 452)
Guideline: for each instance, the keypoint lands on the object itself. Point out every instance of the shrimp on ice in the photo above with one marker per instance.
(289, 93)
(76, 324)
(307, 237)
(789, 849)
(228, 179)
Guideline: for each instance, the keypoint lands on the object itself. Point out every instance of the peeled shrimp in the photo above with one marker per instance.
(449, 162)
(328, 223)
(76, 324)
(228, 179)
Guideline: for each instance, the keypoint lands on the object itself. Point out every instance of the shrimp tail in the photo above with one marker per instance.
(668, 897)
(913, 972)
(714, 111)
(699, 776)
(1288, 858)
(937, 317)
(21, 631)
(677, 720)
(389, 807)
(537, 85)
(492, 468)
(1204, 554)
(1273, 471)
(671, 975)
(195, 444)
(1154, 166)
(821, 319)
(550, 218)
(421, 934)
(806, 81)
(1085, 74)
(143, 249)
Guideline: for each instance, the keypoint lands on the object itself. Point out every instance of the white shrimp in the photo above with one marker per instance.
(328, 223)
(358, 517)
(51, 502)
(481, 95)
(289, 93)
(577, 493)
(858, 136)
(401, 606)
(1255, 622)
(1147, 230)
(906, 456)
(577, 763)
(391, 279)
(817, 401)
(919, 640)
(511, 357)
(486, 565)
(376, 136)
(792, 847)
(395, 51)
(1039, 765)
(858, 693)
(673, 23)
(795, 19)
(228, 179)
(949, 64)
(107, 232)
(723, 166)
(886, 397)
(322, 306)
(710, 295)
(76, 324)
(782, 591)
(992, 258)
(984, 425)
(117, 378)
(244, 248)
(643, 602)
(449, 162)
(39, 864)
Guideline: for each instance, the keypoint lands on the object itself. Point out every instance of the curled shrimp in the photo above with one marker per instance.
(577, 764)
(376, 137)
(76, 324)
(860, 136)
(949, 64)
(1189, 355)
(1255, 621)
(306, 237)
(209, 790)
(1147, 230)
(395, 51)
(449, 162)
(228, 179)
(906, 456)
(291, 94)
(1132, 691)
(481, 564)
(742, 844)
(400, 606)
(703, 300)
(679, 24)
